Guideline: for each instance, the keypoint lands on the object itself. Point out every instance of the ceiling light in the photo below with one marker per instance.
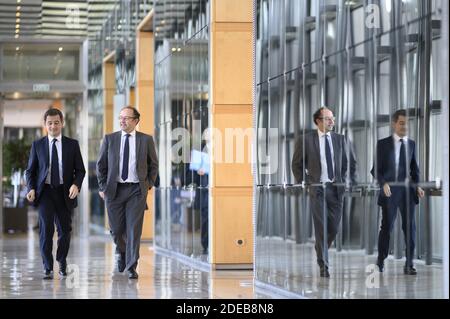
(60, 49)
(18, 20)
(16, 36)
(17, 48)
(17, 26)
(17, 30)
(18, 8)
(18, 1)
(18, 14)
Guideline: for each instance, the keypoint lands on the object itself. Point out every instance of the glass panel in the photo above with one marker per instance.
(31, 62)
(363, 76)
(181, 78)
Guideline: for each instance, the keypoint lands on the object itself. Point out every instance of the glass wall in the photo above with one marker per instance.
(118, 34)
(364, 60)
(181, 117)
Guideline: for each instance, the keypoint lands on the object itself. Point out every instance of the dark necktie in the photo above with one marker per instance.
(126, 158)
(402, 162)
(55, 165)
(329, 160)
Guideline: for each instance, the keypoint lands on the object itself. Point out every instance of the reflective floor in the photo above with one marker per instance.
(92, 274)
(353, 274)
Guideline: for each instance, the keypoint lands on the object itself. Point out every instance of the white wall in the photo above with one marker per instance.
(24, 113)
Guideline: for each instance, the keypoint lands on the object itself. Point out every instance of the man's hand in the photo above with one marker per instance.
(387, 190)
(102, 195)
(73, 191)
(420, 192)
(201, 172)
(31, 195)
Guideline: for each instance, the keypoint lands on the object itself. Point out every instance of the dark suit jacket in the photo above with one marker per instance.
(38, 166)
(307, 162)
(385, 166)
(109, 161)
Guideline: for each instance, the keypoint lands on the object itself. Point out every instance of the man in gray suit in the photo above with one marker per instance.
(126, 169)
(324, 157)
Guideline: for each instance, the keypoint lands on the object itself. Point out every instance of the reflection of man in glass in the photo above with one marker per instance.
(200, 166)
(326, 158)
(395, 166)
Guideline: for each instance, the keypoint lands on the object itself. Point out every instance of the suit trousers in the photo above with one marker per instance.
(326, 206)
(398, 200)
(126, 217)
(53, 209)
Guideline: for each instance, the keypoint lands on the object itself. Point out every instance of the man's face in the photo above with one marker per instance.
(127, 120)
(326, 122)
(54, 125)
(401, 126)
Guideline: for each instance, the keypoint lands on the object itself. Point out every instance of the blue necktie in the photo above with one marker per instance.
(329, 160)
(402, 162)
(126, 158)
(55, 165)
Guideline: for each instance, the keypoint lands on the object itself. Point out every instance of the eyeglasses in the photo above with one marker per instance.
(328, 118)
(126, 118)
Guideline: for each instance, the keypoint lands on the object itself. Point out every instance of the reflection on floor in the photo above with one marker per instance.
(94, 261)
(293, 267)
(92, 274)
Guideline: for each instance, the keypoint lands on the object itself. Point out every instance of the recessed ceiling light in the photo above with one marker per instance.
(17, 48)
(18, 8)
(18, 20)
(18, 1)
(17, 26)
(16, 36)
(17, 30)
(60, 49)
(18, 14)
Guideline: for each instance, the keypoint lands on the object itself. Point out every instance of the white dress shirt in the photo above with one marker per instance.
(132, 174)
(397, 145)
(59, 151)
(323, 159)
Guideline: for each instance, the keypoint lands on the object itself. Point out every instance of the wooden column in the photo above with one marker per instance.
(144, 103)
(231, 68)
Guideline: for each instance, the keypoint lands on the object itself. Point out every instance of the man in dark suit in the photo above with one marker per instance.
(324, 157)
(395, 168)
(54, 176)
(127, 168)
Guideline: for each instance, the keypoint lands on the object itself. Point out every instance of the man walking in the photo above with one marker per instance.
(395, 168)
(326, 158)
(54, 176)
(127, 168)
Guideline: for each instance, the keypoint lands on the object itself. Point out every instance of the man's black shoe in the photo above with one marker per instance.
(48, 274)
(121, 263)
(63, 269)
(380, 266)
(324, 272)
(132, 274)
(409, 270)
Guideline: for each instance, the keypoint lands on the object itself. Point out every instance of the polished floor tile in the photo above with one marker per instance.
(92, 274)
(354, 275)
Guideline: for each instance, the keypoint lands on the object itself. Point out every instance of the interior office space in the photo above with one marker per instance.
(226, 88)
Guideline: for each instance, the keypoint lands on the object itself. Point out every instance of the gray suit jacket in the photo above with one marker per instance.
(109, 159)
(306, 163)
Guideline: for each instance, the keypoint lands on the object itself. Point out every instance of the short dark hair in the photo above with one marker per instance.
(52, 112)
(318, 114)
(136, 113)
(397, 114)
